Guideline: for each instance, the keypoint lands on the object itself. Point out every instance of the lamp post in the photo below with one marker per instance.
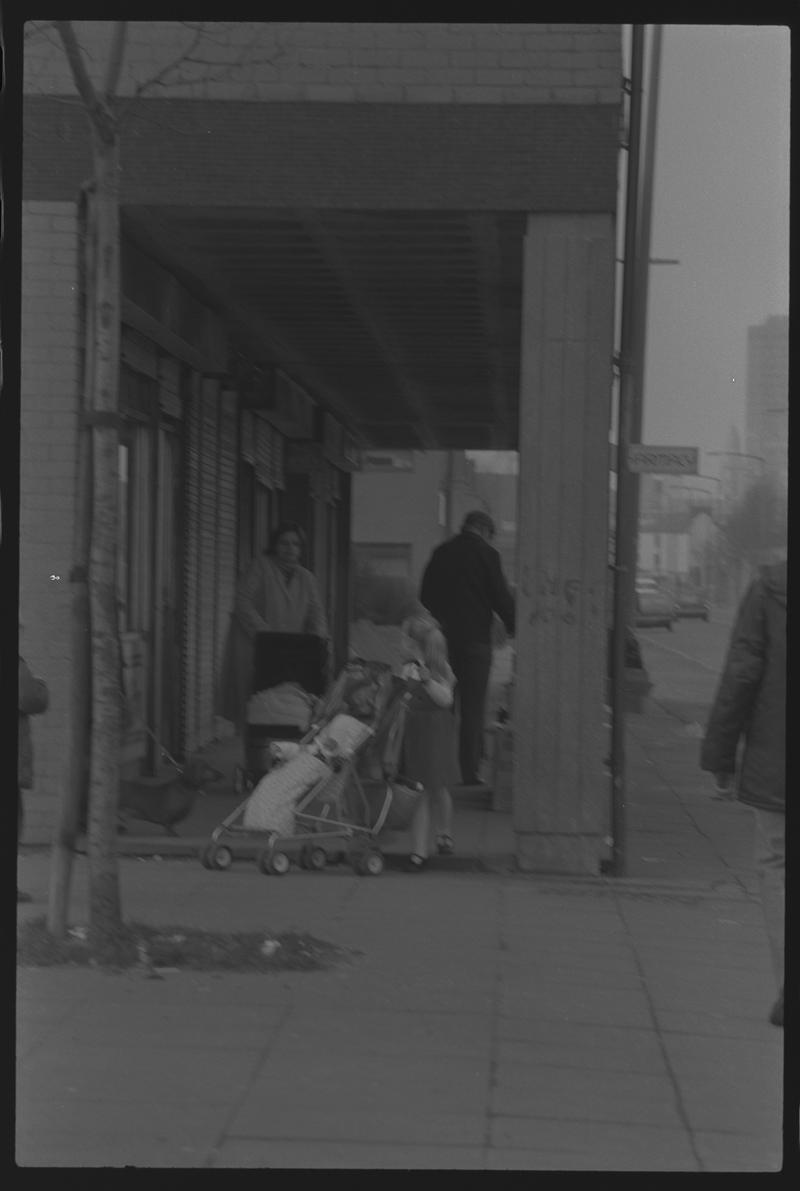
(624, 529)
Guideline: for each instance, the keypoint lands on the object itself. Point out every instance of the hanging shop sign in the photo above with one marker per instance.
(663, 460)
(374, 460)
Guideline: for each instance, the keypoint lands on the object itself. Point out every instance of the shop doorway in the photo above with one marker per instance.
(149, 570)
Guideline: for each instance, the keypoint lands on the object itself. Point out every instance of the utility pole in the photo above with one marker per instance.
(625, 545)
(642, 283)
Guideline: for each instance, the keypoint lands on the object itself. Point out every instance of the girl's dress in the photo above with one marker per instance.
(429, 753)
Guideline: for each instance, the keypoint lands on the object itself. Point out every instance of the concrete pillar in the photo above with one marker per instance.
(561, 794)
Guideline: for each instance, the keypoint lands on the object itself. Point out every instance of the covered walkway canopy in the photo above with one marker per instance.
(374, 252)
(436, 275)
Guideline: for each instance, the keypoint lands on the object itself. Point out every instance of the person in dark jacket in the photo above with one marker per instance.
(463, 587)
(746, 734)
(33, 699)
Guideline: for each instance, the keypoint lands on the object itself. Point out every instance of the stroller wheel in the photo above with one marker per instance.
(370, 863)
(220, 856)
(277, 864)
(314, 858)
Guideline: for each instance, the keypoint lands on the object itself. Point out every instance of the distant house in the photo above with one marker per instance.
(665, 544)
(680, 545)
(405, 503)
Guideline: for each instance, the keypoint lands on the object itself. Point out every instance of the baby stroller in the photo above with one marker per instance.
(332, 792)
(289, 671)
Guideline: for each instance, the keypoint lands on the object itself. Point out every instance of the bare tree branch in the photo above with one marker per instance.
(173, 65)
(36, 29)
(168, 76)
(115, 59)
(100, 115)
(75, 59)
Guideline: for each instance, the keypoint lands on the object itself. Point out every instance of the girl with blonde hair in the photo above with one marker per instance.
(429, 742)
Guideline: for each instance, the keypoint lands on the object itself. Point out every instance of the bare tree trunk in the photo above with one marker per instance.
(104, 893)
(105, 914)
(77, 792)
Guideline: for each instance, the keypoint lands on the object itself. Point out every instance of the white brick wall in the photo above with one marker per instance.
(347, 62)
(50, 379)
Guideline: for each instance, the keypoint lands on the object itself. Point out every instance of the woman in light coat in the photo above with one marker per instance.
(276, 595)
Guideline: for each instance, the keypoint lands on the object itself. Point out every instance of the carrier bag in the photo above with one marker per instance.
(391, 803)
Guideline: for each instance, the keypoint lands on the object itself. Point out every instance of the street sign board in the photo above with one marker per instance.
(664, 460)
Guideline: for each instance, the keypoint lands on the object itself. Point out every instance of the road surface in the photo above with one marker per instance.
(684, 665)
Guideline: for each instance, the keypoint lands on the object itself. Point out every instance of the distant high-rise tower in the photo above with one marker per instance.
(767, 398)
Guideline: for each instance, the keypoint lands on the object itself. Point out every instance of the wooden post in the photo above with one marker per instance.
(560, 788)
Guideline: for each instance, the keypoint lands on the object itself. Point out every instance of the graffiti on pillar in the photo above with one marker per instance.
(557, 599)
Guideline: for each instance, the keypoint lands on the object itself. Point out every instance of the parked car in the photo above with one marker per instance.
(654, 606)
(692, 601)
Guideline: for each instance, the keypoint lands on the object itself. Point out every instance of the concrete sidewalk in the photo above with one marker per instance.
(675, 830)
(491, 1021)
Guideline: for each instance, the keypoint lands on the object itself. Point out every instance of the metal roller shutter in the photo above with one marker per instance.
(263, 452)
(204, 689)
(227, 521)
(278, 443)
(247, 448)
(191, 559)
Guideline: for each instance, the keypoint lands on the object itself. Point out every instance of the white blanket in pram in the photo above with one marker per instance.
(270, 807)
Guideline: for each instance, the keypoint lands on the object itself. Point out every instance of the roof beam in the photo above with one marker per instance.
(486, 242)
(165, 242)
(359, 299)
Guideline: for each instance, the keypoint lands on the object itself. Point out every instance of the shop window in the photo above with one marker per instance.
(262, 520)
(123, 547)
(247, 484)
(256, 514)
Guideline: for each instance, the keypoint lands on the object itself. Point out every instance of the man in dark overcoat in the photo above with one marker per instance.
(463, 586)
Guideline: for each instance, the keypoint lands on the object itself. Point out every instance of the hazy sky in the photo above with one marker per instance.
(721, 206)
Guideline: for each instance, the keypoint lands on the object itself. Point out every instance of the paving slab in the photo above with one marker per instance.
(268, 1118)
(134, 1073)
(579, 1054)
(606, 1145)
(560, 1002)
(627, 1097)
(381, 1032)
(173, 1026)
(516, 972)
(277, 1154)
(738, 1152)
(570, 1160)
(111, 1132)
